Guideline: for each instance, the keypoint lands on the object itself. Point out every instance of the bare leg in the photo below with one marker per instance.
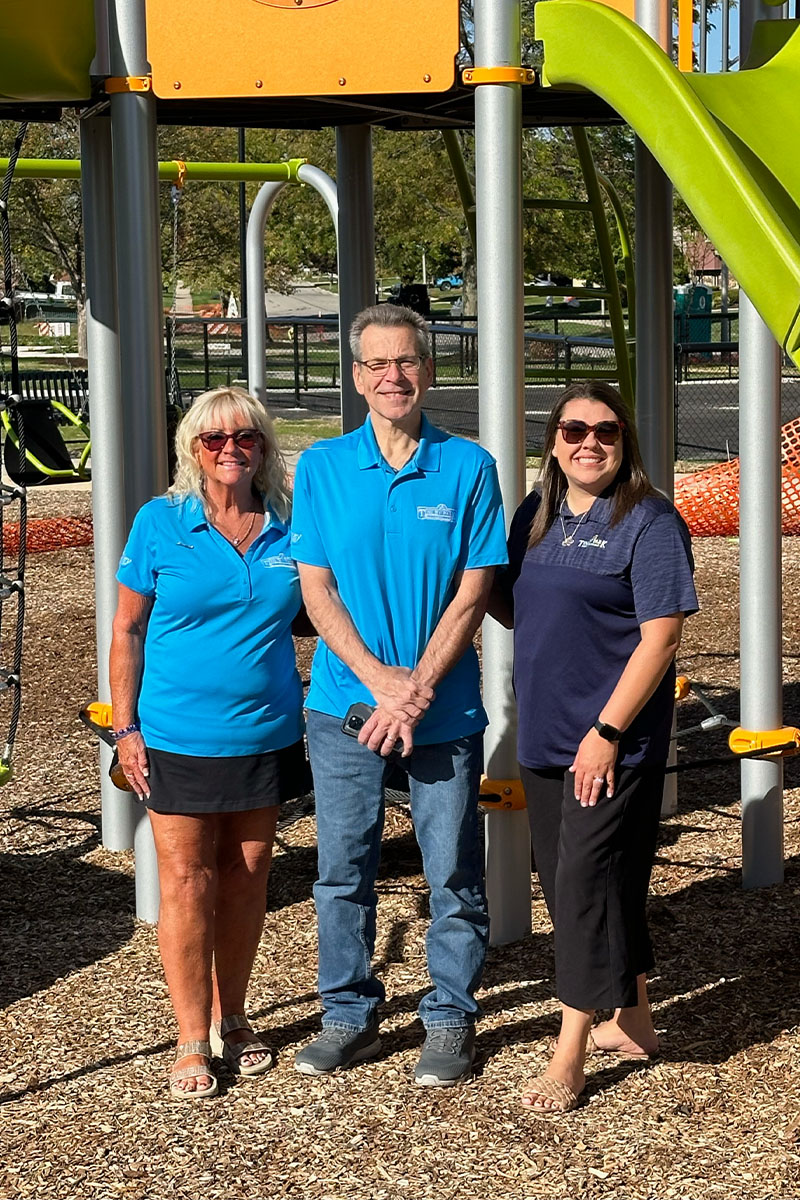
(244, 854)
(630, 1030)
(569, 1055)
(185, 847)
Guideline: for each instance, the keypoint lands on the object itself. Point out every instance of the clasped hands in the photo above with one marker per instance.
(401, 702)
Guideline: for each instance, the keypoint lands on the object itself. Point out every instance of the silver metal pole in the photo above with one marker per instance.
(761, 648)
(655, 400)
(140, 303)
(356, 251)
(498, 200)
(254, 257)
(108, 465)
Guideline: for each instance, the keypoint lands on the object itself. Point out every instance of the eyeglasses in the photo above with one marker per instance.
(606, 432)
(216, 439)
(409, 364)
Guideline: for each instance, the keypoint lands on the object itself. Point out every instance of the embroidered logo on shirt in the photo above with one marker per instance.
(278, 560)
(436, 512)
(595, 543)
(296, 537)
(125, 561)
(186, 545)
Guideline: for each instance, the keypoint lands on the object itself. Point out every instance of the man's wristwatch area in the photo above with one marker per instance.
(609, 732)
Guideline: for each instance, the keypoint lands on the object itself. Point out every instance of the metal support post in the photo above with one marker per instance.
(140, 303)
(760, 647)
(356, 252)
(119, 810)
(243, 250)
(254, 257)
(498, 198)
(655, 416)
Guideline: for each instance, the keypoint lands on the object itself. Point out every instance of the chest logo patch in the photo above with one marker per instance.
(436, 512)
(278, 560)
(125, 561)
(593, 543)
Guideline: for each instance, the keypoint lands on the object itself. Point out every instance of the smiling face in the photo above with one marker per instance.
(395, 396)
(589, 467)
(233, 466)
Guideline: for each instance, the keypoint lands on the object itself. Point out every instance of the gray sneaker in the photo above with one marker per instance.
(447, 1056)
(336, 1048)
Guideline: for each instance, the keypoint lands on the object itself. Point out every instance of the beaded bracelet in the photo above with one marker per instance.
(118, 734)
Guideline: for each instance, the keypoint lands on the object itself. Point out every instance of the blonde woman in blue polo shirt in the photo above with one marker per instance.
(601, 569)
(208, 713)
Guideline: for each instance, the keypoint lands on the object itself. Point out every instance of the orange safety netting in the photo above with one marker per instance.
(51, 533)
(709, 500)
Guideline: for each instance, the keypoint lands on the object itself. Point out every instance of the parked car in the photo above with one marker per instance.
(445, 282)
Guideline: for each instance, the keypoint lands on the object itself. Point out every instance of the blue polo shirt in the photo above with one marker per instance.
(394, 541)
(577, 613)
(219, 677)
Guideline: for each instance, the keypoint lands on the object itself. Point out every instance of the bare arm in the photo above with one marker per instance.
(125, 670)
(643, 672)
(393, 688)
(449, 640)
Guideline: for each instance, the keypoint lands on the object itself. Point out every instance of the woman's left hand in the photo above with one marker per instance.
(593, 767)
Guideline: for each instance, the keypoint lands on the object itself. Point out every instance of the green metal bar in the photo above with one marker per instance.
(466, 191)
(626, 245)
(169, 172)
(616, 315)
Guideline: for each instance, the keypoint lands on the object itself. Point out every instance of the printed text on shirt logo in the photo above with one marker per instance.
(594, 543)
(436, 512)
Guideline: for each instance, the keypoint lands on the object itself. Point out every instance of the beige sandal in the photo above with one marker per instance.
(563, 1097)
(195, 1071)
(232, 1055)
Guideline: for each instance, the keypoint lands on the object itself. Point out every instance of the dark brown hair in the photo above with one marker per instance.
(630, 484)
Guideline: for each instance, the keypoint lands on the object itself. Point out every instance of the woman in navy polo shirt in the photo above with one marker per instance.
(601, 572)
(208, 712)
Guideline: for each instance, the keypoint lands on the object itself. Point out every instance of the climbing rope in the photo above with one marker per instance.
(12, 578)
(174, 387)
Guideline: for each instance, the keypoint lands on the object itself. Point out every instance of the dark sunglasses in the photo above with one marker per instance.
(245, 439)
(606, 432)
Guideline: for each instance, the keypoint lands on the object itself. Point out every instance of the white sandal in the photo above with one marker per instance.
(232, 1055)
(195, 1071)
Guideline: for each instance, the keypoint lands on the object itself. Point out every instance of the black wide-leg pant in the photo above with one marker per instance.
(594, 866)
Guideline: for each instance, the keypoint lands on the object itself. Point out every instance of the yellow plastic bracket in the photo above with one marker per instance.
(742, 740)
(6, 772)
(473, 76)
(128, 83)
(100, 713)
(682, 687)
(181, 180)
(505, 794)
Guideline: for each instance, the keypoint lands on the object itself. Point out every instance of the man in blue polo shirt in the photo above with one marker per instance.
(397, 528)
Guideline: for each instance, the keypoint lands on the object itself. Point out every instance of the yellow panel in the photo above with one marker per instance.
(232, 48)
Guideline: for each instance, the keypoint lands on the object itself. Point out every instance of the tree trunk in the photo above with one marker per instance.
(469, 273)
(82, 346)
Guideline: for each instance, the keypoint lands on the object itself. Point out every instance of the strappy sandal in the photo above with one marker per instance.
(232, 1055)
(195, 1071)
(563, 1097)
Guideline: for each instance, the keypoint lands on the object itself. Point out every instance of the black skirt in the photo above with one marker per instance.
(188, 784)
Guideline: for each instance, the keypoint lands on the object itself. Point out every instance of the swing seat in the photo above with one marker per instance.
(47, 459)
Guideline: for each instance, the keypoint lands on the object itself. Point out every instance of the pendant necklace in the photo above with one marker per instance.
(243, 536)
(569, 538)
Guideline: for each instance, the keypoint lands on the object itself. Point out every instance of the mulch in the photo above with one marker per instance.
(88, 1034)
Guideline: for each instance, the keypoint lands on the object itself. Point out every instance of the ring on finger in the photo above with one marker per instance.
(598, 779)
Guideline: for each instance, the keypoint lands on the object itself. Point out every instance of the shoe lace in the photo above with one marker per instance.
(446, 1040)
(338, 1037)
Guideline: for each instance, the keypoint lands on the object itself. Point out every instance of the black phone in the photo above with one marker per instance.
(356, 717)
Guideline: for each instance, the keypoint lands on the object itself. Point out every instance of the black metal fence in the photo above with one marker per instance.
(303, 371)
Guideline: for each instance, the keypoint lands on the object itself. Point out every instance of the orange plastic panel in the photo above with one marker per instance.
(626, 7)
(236, 48)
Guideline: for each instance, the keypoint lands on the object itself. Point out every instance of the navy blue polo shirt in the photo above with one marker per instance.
(395, 541)
(577, 612)
(219, 674)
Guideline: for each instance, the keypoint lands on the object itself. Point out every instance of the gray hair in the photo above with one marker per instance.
(210, 411)
(390, 316)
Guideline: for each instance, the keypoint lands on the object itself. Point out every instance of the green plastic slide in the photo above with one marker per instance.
(45, 53)
(728, 142)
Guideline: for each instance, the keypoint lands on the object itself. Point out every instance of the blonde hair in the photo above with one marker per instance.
(211, 410)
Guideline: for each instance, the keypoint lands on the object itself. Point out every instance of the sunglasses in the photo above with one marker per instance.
(216, 439)
(606, 432)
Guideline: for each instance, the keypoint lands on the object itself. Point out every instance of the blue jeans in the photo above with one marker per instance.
(349, 791)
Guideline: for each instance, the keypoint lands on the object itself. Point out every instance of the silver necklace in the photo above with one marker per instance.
(243, 536)
(569, 538)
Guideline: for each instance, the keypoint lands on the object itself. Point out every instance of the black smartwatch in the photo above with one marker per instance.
(609, 732)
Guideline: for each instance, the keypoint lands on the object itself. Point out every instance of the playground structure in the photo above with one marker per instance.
(723, 145)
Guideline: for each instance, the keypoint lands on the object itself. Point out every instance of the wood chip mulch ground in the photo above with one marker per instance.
(87, 1032)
